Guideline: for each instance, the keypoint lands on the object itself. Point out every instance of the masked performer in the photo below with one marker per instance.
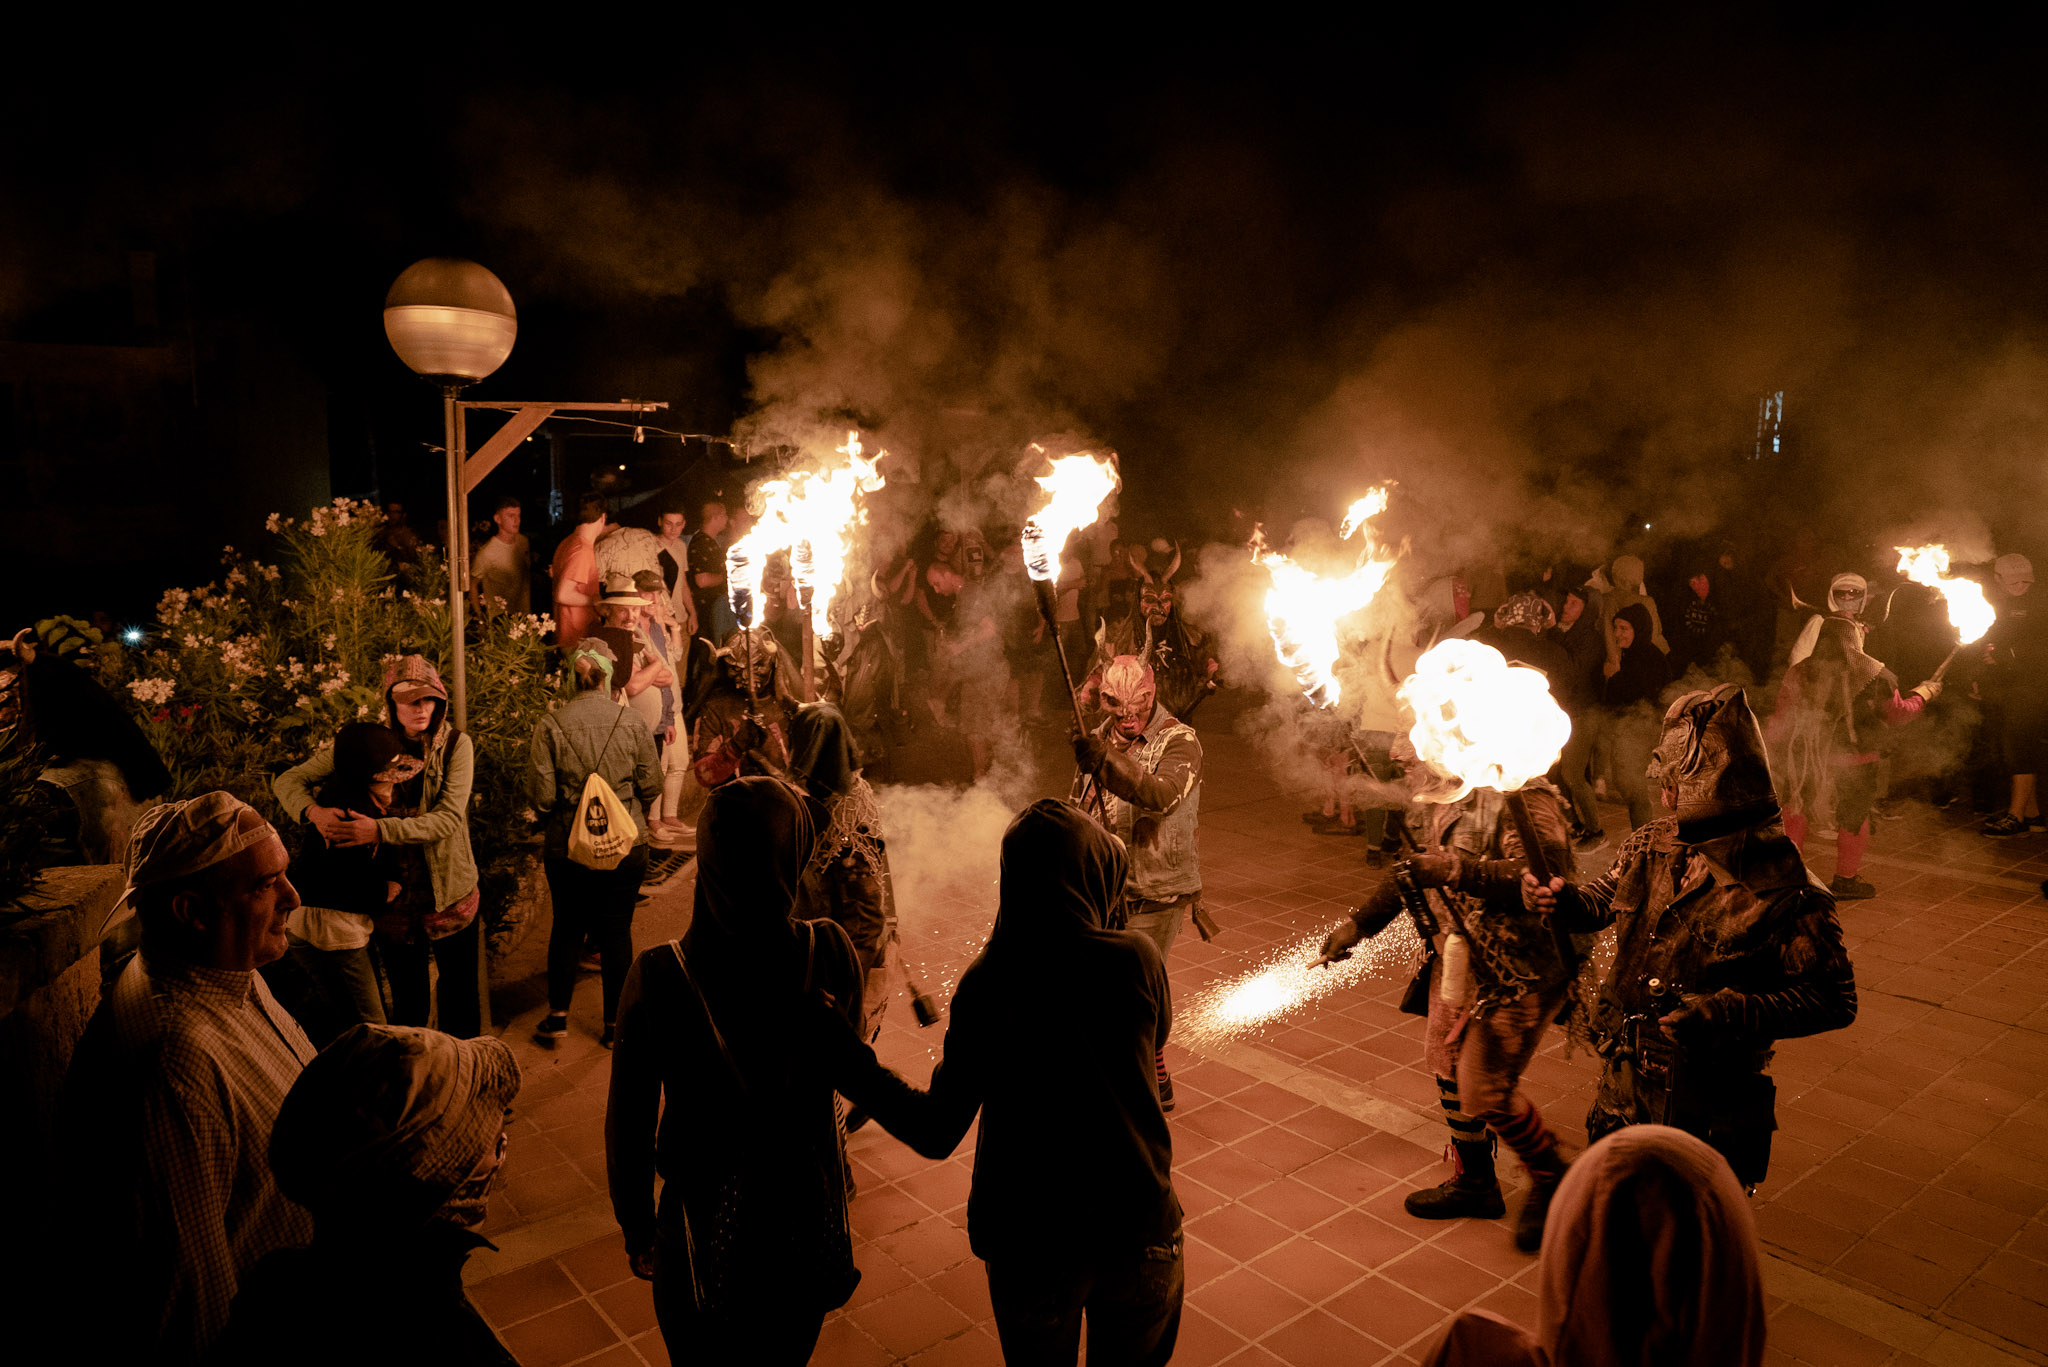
(1824, 738)
(1182, 661)
(1482, 1031)
(847, 877)
(1726, 944)
(1847, 593)
(1141, 771)
(742, 723)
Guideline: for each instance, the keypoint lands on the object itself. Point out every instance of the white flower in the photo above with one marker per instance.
(235, 576)
(154, 691)
(318, 529)
(335, 684)
(363, 710)
(303, 701)
(327, 641)
(273, 523)
(270, 572)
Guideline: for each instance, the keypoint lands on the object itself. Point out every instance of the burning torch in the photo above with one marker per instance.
(1969, 612)
(1078, 484)
(1489, 724)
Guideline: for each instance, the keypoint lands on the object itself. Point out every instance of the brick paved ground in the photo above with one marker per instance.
(1905, 1220)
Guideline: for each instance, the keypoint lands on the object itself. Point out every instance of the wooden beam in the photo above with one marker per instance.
(517, 428)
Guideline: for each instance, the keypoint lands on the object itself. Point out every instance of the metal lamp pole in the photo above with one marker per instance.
(458, 558)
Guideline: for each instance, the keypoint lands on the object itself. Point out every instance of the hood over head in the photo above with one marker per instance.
(409, 679)
(1847, 593)
(754, 837)
(1712, 753)
(1638, 618)
(821, 752)
(1628, 573)
(1061, 875)
(1650, 1256)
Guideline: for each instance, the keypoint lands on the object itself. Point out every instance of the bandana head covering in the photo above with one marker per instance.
(174, 840)
(1529, 611)
(594, 648)
(388, 1121)
(1844, 587)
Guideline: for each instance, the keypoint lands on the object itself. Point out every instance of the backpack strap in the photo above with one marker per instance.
(718, 1036)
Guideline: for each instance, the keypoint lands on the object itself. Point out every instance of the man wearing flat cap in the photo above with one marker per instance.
(169, 1104)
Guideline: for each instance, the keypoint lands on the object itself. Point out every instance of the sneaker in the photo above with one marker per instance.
(553, 1029)
(1461, 1198)
(2004, 824)
(1166, 1092)
(1850, 889)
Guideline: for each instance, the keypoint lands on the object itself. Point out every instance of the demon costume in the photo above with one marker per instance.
(846, 879)
(1725, 943)
(1183, 664)
(1141, 774)
(741, 726)
(1479, 1042)
(1824, 742)
(1847, 593)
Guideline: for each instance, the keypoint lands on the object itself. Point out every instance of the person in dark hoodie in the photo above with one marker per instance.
(436, 913)
(393, 1138)
(1724, 944)
(1628, 722)
(326, 979)
(1072, 1206)
(722, 1084)
(846, 878)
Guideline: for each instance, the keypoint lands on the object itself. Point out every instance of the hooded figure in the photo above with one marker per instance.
(1073, 1202)
(1652, 1258)
(1824, 742)
(846, 879)
(1847, 593)
(393, 1138)
(1725, 943)
(1628, 591)
(1627, 729)
(751, 1246)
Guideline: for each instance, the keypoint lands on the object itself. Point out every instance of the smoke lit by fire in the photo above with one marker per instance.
(1304, 609)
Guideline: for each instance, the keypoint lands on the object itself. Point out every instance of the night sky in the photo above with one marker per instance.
(1541, 273)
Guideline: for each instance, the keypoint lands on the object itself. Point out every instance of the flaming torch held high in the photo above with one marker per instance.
(1078, 484)
(809, 514)
(1969, 612)
(1303, 608)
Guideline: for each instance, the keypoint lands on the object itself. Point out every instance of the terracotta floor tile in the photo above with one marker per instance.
(1230, 1171)
(1387, 1311)
(1391, 1154)
(1781, 1226)
(1283, 1150)
(1440, 1277)
(1320, 1339)
(843, 1344)
(597, 1264)
(1241, 1232)
(1343, 1176)
(1512, 1303)
(2014, 1272)
(1365, 1239)
(523, 1294)
(1311, 1270)
(1328, 1127)
(653, 1350)
(927, 1247)
(965, 1287)
(1205, 1263)
(1295, 1205)
(2019, 1318)
(618, 1355)
(1249, 1304)
(1221, 1121)
(629, 1306)
(1202, 1340)
(885, 1210)
(975, 1348)
(1808, 1337)
(1904, 1275)
(1488, 1244)
(540, 1192)
(940, 1186)
(909, 1321)
(561, 1336)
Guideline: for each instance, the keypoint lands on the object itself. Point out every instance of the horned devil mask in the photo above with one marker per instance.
(1128, 693)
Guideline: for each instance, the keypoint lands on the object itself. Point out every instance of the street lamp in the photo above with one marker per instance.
(453, 322)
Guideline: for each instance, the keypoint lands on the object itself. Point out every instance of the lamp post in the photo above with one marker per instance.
(453, 322)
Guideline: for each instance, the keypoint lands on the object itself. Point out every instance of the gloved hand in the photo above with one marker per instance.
(1692, 1025)
(1928, 690)
(1538, 898)
(1337, 944)
(1432, 868)
(1090, 752)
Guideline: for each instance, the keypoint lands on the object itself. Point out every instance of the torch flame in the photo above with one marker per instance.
(1303, 608)
(809, 514)
(1077, 484)
(1480, 720)
(1968, 611)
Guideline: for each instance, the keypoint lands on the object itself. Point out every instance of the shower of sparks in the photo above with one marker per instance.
(1287, 980)
(1969, 612)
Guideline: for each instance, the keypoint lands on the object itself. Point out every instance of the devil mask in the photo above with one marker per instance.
(1128, 694)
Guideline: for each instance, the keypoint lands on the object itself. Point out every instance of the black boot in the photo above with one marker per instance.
(1535, 1210)
(1473, 1193)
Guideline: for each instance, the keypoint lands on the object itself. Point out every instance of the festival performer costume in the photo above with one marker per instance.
(1183, 663)
(1141, 776)
(846, 879)
(741, 731)
(1726, 943)
(1824, 740)
(1479, 1043)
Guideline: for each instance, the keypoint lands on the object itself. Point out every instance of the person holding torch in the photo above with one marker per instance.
(1725, 943)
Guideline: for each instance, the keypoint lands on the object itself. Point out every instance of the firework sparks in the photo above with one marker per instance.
(1968, 610)
(1287, 980)
(1304, 608)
